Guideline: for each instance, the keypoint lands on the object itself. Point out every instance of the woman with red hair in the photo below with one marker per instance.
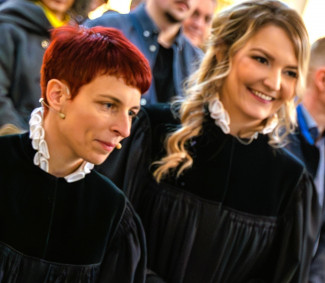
(62, 221)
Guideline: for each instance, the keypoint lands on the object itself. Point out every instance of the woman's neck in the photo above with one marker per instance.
(62, 161)
(243, 129)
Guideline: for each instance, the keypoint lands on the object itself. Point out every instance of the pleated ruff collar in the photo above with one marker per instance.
(42, 156)
(221, 118)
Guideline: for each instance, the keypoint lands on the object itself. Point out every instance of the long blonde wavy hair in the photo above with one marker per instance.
(231, 29)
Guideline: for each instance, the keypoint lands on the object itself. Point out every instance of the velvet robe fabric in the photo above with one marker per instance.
(55, 231)
(242, 213)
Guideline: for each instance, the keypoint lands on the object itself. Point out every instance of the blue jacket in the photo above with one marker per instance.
(139, 28)
(301, 144)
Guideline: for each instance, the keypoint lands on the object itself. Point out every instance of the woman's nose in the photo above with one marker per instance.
(273, 80)
(122, 125)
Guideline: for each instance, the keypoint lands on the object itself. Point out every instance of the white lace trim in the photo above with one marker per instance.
(221, 119)
(42, 156)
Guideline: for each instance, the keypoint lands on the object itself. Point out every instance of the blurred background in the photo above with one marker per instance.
(312, 11)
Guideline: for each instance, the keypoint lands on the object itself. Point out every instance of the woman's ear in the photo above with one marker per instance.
(55, 93)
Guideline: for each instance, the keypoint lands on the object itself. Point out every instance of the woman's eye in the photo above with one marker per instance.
(208, 20)
(292, 74)
(260, 59)
(132, 114)
(108, 105)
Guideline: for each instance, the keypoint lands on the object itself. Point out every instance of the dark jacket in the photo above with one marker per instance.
(305, 149)
(138, 27)
(24, 36)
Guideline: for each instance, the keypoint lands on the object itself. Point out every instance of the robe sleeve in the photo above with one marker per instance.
(125, 259)
(128, 166)
(317, 268)
(302, 221)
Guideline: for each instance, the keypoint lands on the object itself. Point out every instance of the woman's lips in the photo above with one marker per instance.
(107, 146)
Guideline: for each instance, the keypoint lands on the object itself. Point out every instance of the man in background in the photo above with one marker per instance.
(197, 27)
(155, 28)
(308, 143)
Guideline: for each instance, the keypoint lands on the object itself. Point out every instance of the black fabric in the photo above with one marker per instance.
(242, 214)
(163, 74)
(317, 268)
(223, 163)
(55, 231)
(309, 154)
(305, 152)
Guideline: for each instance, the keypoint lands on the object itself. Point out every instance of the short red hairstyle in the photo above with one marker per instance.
(77, 55)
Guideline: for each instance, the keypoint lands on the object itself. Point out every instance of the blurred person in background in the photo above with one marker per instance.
(308, 142)
(155, 28)
(25, 33)
(94, 4)
(197, 27)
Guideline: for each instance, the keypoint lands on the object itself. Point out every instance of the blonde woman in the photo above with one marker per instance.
(226, 203)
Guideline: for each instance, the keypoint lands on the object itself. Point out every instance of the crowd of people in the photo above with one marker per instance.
(170, 144)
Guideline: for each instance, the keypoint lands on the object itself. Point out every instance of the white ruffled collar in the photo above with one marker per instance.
(220, 115)
(221, 119)
(42, 156)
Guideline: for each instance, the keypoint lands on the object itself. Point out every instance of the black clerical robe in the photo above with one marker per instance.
(55, 231)
(241, 213)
